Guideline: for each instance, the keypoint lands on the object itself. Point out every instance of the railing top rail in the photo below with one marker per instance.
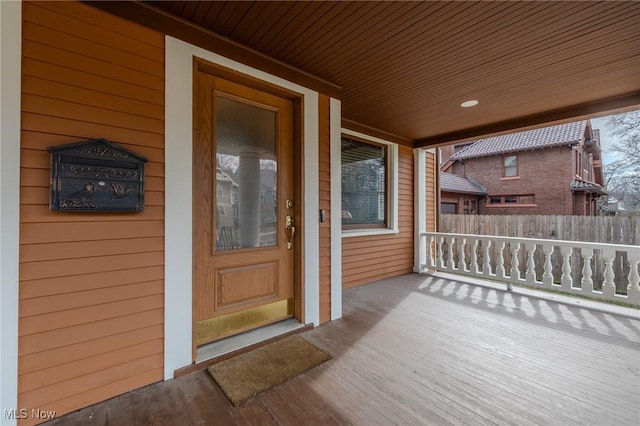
(561, 243)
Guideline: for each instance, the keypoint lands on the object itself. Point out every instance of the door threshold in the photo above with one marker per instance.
(221, 350)
(242, 340)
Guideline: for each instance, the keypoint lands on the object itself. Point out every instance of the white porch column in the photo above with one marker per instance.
(420, 207)
(335, 115)
(10, 74)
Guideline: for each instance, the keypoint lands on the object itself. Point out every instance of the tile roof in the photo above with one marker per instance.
(454, 183)
(562, 134)
(586, 186)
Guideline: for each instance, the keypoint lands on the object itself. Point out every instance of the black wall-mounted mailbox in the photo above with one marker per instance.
(96, 176)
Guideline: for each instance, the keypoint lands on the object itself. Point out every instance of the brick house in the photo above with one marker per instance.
(460, 195)
(554, 170)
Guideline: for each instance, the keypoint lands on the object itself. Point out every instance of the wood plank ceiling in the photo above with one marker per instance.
(405, 67)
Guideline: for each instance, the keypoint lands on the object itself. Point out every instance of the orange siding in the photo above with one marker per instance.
(325, 203)
(91, 285)
(430, 169)
(366, 259)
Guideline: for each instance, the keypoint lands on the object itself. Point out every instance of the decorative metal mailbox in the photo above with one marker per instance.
(96, 176)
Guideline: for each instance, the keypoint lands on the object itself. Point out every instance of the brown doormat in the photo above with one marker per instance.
(246, 375)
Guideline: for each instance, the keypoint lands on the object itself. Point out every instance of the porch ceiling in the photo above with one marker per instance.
(405, 67)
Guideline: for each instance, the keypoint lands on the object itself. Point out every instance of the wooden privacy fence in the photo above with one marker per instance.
(622, 230)
(593, 229)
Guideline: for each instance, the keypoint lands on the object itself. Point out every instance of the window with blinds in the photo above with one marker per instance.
(364, 184)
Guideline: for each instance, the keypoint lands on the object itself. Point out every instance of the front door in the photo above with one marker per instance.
(243, 208)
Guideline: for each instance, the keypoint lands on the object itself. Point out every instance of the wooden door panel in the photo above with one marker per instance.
(237, 270)
(246, 285)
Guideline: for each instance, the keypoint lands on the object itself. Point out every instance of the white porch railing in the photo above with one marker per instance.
(607, 271)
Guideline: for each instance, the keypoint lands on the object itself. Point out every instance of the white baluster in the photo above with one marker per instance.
(547, 276)
(434, 251)
(587, 274)
(500, 272)
(486, 264)
(633, 289)
(609, 285)
(515, 266)
(566, 281)
(515, 262)
(462, 262)
(423, 253)
(450, 263)
(474, 258)
(531, 264)
(440, 245)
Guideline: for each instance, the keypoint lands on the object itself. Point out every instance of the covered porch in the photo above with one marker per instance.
(98, 304)
(419, 349)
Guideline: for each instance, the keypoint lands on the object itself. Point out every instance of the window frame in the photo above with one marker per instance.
(391, 188)
(503, 203)
(503, 176)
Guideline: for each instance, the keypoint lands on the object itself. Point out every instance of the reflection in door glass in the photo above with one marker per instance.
(246, 175)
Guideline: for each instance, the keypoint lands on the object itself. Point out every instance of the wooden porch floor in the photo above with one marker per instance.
(424, 350)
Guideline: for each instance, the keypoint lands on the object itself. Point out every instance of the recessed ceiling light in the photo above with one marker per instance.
(469, 104)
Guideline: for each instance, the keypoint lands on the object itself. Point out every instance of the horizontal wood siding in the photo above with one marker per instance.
(91, 285)
(325, 204)
(431, 201)
(367, 259)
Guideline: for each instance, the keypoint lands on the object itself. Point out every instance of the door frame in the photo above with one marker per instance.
(10, 110)
(178, 309)
(218, 71)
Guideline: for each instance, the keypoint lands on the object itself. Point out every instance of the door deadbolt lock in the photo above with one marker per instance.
(289, 204)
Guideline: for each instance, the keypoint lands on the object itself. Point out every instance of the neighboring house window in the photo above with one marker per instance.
(587, 172)
(220, 190)
(448, 208)
(509, 166)
(526, 199)
(578, 164)
(580, 171)
(222, 211)
(368, 185)
(469, 206)
(507, 200)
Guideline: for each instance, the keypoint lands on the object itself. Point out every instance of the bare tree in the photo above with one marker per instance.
(622, 176)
